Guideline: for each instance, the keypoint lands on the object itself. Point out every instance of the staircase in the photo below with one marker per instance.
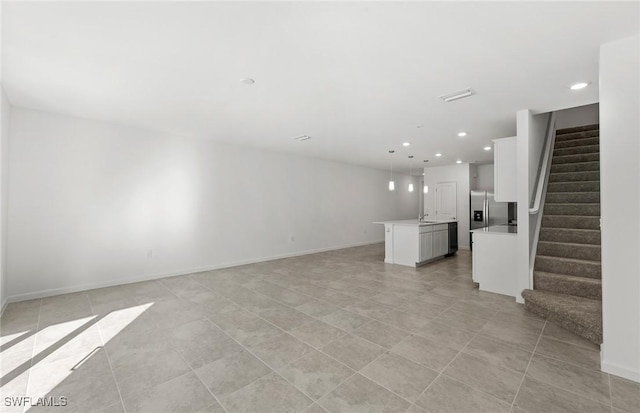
(567, 274)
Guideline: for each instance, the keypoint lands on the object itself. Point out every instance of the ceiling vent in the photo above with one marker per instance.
(460, 94)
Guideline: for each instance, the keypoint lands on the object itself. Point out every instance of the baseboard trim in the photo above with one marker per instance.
(111, 283)
(463, 247)
(620, 371)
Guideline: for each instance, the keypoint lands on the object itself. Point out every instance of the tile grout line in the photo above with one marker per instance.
(273, 371)
(33, 352)
(445, 368)
(106, 353)
(205, 386)
(610, 392)
(524, 376)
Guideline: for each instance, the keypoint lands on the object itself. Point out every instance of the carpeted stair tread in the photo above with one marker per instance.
(568, 208)
(571, 235)
(568, 284)
(577, 129)
(581, 315)
(573, 197)
(581, 186)
(582, 157)
(568, 266)
(570, 221)
(575, 167)
(569, 250)
(576, 150)
(577, 142)
(578, 135)
(574, 176)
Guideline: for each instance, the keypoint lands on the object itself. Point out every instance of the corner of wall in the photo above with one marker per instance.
(5, 112)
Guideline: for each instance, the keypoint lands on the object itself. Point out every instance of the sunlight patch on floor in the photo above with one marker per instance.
(58, 350)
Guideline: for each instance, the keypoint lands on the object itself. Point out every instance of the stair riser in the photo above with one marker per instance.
(591, 186)
(576, 150)
(574, 176)
(585, 157)
(558, 266)
(581, 252)
(576, 142)
(572, 197)
(572, 209)
(593, 336)
(578, 135)
(568, 286)
(577, 237)
(570, 222)
(575, 167)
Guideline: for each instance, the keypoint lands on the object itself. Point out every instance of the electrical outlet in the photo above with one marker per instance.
(149, 254)
(293, 238)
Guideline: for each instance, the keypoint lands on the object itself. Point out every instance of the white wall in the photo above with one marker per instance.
(89, 202)
(620, 203)
(452, 173)
(531, 130)
(578, 116)
(5, 109)
(484, 181)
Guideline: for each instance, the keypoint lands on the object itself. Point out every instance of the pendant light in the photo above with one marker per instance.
(410, 173)
(426, 187)
(392, 185)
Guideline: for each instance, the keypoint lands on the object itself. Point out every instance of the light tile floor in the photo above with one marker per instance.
(339, 332)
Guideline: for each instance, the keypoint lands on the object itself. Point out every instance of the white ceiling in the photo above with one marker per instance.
(359, 78)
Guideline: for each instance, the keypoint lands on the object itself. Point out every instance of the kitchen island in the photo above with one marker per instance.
(413, 243)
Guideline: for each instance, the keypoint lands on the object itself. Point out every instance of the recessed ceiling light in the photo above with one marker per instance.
(247, 81)
(578, 86)
(462, 134)
(438, 155)
(406, 144)
(487, 148)
(458, 161)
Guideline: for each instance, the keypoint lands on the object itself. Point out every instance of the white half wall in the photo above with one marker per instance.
(94, 204)
(5, 110)
(460, 174)
(620, 206)
(530, 140)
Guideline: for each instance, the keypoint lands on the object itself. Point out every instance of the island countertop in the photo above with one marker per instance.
(498, 229)
(415, 222)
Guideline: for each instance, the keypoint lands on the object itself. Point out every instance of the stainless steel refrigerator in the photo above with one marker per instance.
(486, 212)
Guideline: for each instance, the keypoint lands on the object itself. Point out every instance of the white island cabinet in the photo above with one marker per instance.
(494, 259)
(413, 243)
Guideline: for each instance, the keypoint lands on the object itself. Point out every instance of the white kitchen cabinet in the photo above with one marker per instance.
(505, 169)
(440, 243)
(426, 246)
